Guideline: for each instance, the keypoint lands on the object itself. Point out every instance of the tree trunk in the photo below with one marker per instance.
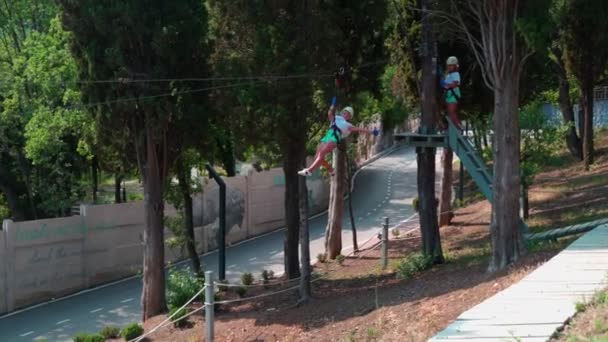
(305, 288)
(431, 242)
(506, 237)
(291, 163)
(12, 199)
(587, 104)
(445, 199)
(183, 175)
(153, 292)
(227, 155)
(565, 105)
(333, 231)
(117, 194)
(95, 177)
(349, 170)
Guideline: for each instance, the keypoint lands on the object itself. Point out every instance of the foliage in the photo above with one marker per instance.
(540, 140)
(42, 123)
(246, 278)
(110, 332)
(267, 275)
(159, 119)
(220, 285)
(416, 204)
(321, 257)
(131, 331)
(179, 313)
(83, 337)
(340, 259)
(412, 264)
(396, 232)
(182, 285)
(241, 291)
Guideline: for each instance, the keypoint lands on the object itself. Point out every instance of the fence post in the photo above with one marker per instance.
(209, 306)
(385, 243)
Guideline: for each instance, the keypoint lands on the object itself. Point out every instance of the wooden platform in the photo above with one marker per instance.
(423, 140)
(532, 309)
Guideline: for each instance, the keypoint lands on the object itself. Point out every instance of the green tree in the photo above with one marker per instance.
(42, 123)
(586, 52)
(18, 21)
(143, 40)
(492, 29)
(283, 38)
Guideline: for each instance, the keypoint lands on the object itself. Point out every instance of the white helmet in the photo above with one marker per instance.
(350, 110)
(452, 61)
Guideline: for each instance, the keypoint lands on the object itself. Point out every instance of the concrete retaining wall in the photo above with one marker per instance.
(45, 259)
(3, 275)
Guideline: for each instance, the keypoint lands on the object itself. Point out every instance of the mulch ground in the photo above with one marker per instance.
(356, 301)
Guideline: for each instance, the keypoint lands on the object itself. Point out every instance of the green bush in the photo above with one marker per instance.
(131, 331)
(267, 275)
(181, 286)
(396, 232)
(179, 313)
(241, 291)
(412, 264)
(84, 337)
(247, 278)
(220, 285)
(321, 257)
(340, 259)
(416, 204)
(110, 332)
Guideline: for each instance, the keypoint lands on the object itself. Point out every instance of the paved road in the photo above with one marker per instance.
(385, 187)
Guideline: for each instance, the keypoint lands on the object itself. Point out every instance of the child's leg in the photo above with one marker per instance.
(453, 114)
(323, 150)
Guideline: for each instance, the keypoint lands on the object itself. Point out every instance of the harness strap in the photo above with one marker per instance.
(337, 132)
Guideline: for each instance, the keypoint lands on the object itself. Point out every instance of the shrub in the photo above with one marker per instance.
(580, 307)
(131, 331)
(110, 332)
(340, 259)
(241, 291)
(416, 203)
(181, 286)
(221, 288)
(396, 232)
(247, 278)
(267, 275)
(179, 313)
(321, 257)
(80, 337)
(84, 337)
(413, 264)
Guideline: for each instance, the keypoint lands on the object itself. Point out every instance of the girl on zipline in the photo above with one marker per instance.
(451, 85)
(340, 129)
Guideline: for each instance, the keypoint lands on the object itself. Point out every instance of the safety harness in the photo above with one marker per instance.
(454, 93)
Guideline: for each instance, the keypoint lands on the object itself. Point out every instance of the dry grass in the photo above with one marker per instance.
(590, 323)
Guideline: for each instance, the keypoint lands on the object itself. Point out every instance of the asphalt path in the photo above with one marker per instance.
(385, 187)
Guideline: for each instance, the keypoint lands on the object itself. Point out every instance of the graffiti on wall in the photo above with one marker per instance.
(235, 211)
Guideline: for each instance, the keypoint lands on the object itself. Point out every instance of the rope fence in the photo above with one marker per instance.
(211, 285)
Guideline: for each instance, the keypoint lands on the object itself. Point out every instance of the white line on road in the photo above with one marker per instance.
(126, 300)
(64, 321)
(96, 310)
(27, 333)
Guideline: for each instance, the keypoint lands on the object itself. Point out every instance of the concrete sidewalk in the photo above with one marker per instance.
(532, 309)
